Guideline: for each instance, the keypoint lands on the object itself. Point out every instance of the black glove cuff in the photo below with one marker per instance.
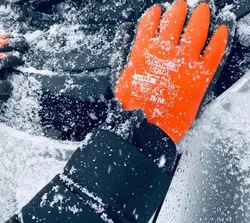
(115, 173)
(132, 126)
(122, 123)
(5, 91)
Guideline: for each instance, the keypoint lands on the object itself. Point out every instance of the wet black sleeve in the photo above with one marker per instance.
(108, 179)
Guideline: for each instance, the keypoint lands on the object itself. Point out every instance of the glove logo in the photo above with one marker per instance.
(156, 86)
(159, 66)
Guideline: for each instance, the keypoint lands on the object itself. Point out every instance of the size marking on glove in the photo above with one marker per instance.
(154, 88)
(144, 78)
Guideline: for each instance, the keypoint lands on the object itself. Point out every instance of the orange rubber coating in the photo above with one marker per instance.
(166, 76)
(2, 55)
(3, 39)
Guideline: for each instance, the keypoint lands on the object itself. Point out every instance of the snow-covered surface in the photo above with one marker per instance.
(21, 110)
(28, 162)
(243, 31)
(212, 182)
(49, 42)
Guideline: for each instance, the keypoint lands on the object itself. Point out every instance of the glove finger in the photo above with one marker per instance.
(14, 44)
(2, 55)
(195, 36)
(11, 60)
(216, 49)
(173, 21)
(5, 90)
(148, 26)
(3, 42)
(216, 53)
(121, 48)
(3, 36)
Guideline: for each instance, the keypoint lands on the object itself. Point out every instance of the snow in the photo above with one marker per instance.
(29, 161)
(21, 111)
(212, 182)
(162, 161)
(215, 164)
(244, 30)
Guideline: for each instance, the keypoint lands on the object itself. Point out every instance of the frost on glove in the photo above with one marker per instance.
(168, 73)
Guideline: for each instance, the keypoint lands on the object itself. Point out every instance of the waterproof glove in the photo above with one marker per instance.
(11, 49)
(168, 73)
(10, 56)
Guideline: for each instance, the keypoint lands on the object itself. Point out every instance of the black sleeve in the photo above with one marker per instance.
(5, 91)
(108, 179)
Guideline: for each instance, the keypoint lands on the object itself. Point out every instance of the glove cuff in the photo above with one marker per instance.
(132, 126)
(117, 175)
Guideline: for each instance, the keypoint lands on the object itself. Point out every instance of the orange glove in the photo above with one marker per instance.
(3, 41)
(11, 50)
(167, 75)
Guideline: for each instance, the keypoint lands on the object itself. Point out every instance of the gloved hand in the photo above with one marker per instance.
(11, 49)
(169, 75)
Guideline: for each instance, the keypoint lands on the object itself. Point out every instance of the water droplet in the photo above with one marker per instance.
(213, 186)
(188, 153)
(179, 170)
